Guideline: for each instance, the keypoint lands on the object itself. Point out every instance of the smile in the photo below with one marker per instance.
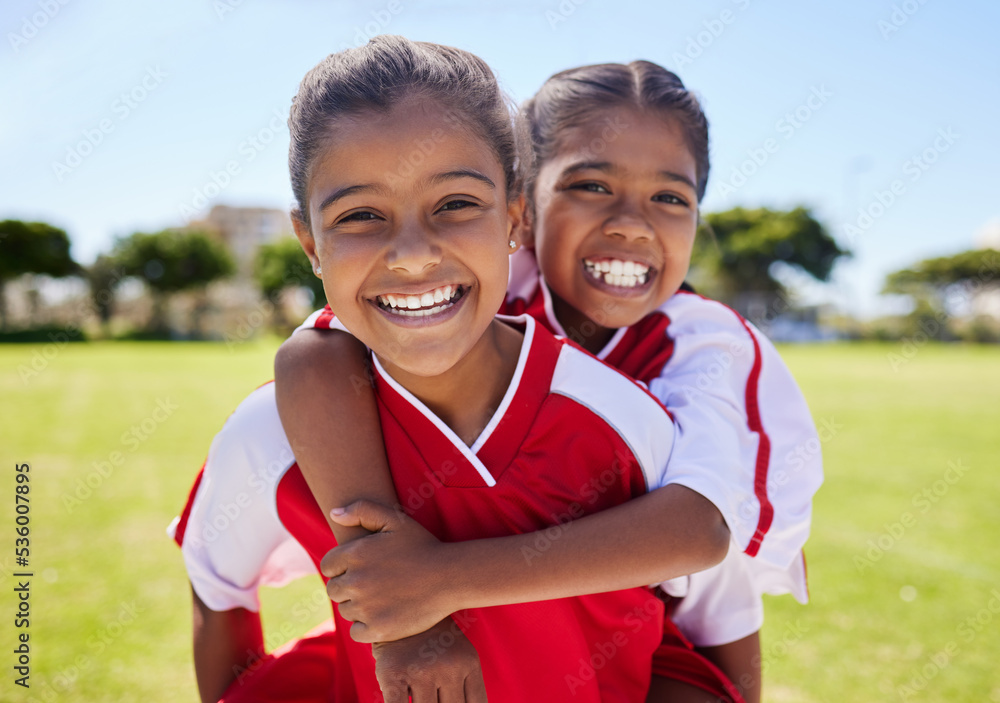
(620, 273)
(426, 304)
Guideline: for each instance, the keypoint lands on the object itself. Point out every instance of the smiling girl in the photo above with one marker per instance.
(496, 424)
(620, 165)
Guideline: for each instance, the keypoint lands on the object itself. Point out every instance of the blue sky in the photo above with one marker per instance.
(117, 115)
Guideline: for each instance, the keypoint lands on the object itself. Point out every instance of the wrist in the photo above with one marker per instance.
(451, 575)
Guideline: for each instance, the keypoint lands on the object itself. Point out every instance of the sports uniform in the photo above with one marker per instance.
(745, 440)
(570, 438)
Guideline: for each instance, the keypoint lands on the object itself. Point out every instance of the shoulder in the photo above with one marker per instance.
(251, 448)
(691, 313)
(624, 406)
(715, 343)
(312, 351)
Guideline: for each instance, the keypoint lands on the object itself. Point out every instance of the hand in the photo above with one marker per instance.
(438, 665)
(391, 584)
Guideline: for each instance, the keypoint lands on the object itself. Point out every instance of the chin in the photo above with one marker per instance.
(425, 369)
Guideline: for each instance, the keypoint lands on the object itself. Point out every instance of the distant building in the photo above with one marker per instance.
(244, 229)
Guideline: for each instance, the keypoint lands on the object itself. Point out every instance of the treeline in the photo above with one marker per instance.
(740, 257)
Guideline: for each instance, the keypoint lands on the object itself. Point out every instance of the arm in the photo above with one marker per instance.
(327, 407)
(221, 643)
(401, 580)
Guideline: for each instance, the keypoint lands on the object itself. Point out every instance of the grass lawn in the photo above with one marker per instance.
(903, 562)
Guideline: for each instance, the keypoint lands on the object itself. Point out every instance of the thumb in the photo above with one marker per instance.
(372, 516)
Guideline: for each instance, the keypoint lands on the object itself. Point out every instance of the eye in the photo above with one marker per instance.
(670, 199)
(359, 216)
(590, 187)
(457, 204)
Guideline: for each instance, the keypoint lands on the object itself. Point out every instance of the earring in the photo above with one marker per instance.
(512, 244)
(318, 270)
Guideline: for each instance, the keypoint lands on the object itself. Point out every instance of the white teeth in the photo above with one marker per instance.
(421, 313)
(618, 272)
(419, 305)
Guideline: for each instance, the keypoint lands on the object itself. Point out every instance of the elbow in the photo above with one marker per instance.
(717, 539)
(709, 535)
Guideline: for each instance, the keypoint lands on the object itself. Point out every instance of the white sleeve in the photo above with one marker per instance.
(719, 605)
(724, 604)
(745, 437)
(233, 541)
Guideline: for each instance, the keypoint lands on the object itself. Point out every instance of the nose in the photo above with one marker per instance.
(413, 250)
(627, 222)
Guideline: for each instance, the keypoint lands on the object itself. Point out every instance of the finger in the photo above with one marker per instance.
(395, 694)
(452, 692)
(475, 687)
(360, 632)
(348, 611)
(372, 516)
(337, 591)
(334, 562)
(423, 693)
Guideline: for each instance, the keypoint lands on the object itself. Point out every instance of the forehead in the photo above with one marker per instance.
(398, 145)
(634, 140)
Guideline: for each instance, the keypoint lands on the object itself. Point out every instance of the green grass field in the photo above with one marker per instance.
(904, 567)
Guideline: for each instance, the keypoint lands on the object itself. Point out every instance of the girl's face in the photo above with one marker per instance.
(410, 224)
(616, 212)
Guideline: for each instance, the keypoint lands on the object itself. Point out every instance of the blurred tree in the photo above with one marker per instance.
(102, 277)
(171, 261)
(32, 247)
(734, 257)
(935, 279)
(937, 286)
(283, 264)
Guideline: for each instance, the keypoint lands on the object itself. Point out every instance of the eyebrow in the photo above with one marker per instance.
(342, 193)
(610, 168)
(462, 173)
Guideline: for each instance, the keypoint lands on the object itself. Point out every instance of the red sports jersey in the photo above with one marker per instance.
(744, 439)
(571, 437)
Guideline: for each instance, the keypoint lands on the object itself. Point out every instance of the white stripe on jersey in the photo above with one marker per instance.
(639, 419)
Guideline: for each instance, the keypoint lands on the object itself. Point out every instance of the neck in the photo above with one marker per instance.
(580, 328)
(466, 396)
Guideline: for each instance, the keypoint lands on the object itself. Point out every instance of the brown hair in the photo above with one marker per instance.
(569, 99)
(379, 76)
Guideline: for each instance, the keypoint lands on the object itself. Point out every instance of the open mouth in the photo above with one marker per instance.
(620, 273)
(424, 305)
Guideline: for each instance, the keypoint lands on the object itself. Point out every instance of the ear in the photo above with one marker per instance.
(525, 234)
(516, 213)
(305, 238)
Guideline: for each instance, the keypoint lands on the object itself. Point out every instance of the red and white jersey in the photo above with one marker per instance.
(745, 436)
(745, 440)
(571, 437)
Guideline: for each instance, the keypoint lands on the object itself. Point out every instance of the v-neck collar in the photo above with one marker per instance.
(501, 439)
